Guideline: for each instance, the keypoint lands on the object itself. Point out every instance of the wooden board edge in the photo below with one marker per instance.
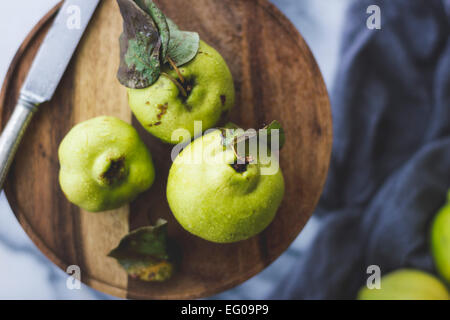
(19, 53)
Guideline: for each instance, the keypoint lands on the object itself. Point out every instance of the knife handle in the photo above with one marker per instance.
(13, 134)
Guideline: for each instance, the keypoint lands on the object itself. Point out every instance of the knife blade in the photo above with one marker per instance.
(57, 49)
(45, 73)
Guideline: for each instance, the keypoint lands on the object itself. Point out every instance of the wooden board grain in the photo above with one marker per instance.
(276, 77)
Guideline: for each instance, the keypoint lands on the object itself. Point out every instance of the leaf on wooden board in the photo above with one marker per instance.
(144, 253)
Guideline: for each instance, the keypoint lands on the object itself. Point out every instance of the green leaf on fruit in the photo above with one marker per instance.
(140, 46)
(183, 45)
(150, 40)
(144, 253)
(233, 136)
(161, 22)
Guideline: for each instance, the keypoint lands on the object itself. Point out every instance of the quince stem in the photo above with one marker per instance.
(174, 66)
(175, 81)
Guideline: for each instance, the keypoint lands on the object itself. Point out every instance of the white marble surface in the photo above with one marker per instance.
(25, 273)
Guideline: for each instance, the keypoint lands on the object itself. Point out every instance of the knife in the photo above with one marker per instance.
(45, 74)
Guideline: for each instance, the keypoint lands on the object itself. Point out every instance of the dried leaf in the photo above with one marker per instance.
(140, 46)
(149, 271)
(183, 45)
(144, 253)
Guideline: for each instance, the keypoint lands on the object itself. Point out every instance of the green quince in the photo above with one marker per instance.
(406, 284)
(218, 201)
(104, 164)
(440, 240)
(201, 90)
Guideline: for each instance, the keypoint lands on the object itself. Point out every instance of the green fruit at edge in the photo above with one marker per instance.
(440, 240)
(161, 108)
(406, 284)
(104, 164)
(214, 201)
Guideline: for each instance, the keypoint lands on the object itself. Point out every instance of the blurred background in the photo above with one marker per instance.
(25, 273)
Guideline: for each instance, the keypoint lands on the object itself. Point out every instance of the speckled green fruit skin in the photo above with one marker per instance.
(213, 94)
(216, 203)
(440, 240)
(86, 154)
(407, 284)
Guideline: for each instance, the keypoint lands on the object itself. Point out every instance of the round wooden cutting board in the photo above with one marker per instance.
(276, 77)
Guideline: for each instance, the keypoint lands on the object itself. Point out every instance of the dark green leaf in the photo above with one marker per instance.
(148, 40)
(143, 253)
(140, 46)
(183, 45)
(161, 22)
